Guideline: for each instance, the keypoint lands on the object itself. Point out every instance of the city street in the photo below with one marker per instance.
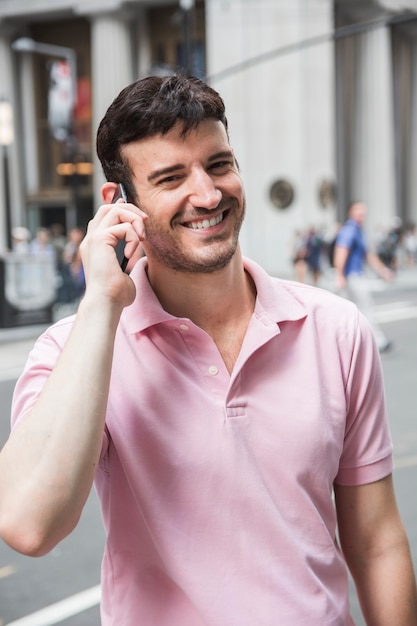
(63, 587)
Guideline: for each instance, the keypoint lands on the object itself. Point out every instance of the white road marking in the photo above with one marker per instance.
(10, 373)
(62, 610)
(407, 461)
(395, 313)
(7, 570)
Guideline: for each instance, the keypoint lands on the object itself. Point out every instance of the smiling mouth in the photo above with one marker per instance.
(206, 222)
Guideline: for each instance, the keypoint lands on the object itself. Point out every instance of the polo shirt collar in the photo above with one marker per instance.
(276, 301)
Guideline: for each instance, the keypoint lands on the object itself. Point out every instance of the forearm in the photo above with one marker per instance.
(340, 258)
(376, 550)
(386, 587)
(48, 464)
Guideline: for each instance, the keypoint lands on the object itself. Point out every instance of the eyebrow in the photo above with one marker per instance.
(164, 171)
(224, 154)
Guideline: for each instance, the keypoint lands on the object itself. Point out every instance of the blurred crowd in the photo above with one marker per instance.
(312, 252)
(313, 249)
(63, 250)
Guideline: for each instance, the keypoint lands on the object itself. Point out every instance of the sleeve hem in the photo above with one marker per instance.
(353, 476)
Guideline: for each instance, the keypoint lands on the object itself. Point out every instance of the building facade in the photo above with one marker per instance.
(321, 100)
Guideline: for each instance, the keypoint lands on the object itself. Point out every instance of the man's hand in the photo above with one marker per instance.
(104, 277)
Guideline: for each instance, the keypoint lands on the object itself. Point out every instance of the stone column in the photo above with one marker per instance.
(373, 155)
(412, 191)
(8, 90)
(111, 70)
(143, 46)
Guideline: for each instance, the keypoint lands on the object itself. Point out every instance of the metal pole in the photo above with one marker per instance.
(6, 139)
(6, 183)
(187, 42)
(26, 44)
(187, 7)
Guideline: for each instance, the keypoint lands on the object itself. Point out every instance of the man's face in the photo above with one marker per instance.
(192, 192)
(358, 212)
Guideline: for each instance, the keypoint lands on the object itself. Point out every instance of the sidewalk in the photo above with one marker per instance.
(16, 343)
(406, 278)
(23, 333)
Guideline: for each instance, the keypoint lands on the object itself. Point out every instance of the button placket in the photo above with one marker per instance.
(205, 356)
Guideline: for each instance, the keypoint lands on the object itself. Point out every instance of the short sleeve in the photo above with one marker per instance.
(367, 450)
(39, 365)
(346, 236)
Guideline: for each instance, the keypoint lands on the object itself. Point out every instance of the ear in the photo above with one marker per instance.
(107, 192)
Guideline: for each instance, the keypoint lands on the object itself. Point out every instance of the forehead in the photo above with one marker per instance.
(206, 138)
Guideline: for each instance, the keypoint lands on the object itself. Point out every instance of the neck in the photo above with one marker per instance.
(209, 300)
(220, 303)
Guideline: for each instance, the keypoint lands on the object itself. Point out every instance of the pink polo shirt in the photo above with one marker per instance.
(216, 490)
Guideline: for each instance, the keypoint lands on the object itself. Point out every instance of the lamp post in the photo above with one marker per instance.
(187, 7)
(6, 139)
(60, 114)
(26, 44)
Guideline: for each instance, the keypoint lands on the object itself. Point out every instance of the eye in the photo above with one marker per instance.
(221, 167)
(169, 180)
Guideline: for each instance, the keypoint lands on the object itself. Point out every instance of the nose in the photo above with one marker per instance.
(203, 191)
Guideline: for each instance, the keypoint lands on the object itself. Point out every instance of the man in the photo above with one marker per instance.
(177, 388)
(350, 258)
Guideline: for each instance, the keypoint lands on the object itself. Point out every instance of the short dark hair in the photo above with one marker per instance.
(152, 106)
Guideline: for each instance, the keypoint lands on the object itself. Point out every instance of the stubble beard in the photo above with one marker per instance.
(215, 255)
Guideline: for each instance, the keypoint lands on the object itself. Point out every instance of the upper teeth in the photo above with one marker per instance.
(206, 223)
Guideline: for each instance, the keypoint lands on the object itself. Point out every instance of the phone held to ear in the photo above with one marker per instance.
(120, 247)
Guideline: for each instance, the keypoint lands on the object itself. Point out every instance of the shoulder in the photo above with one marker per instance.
(347, 233)
(324, 306)
(59, 331)
(286, 300)
(39, 364)
(50, 343)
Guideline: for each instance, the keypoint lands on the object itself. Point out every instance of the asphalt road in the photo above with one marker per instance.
(46, 591)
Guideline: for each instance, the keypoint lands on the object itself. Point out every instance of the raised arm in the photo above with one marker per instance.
(48, 464)
(376, 550)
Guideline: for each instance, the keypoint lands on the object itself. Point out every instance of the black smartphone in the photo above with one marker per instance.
(120, 248)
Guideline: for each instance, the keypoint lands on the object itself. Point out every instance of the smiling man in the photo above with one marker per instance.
(234, 423)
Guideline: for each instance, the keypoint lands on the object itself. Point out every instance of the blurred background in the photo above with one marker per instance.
(321, 97)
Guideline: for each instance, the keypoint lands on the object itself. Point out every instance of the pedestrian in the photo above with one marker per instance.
(177, 388)
(351, 257)
(41, 245)
(410, 245)
(331, 243)
(20, 240)
(389, 245)
(299, 255)
(73, 271)
(314, 249)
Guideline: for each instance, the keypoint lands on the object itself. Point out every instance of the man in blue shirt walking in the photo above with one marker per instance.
(350, 259)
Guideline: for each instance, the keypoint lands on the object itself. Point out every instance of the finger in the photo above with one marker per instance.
(118, 212)
(126, 206)
(109, 216)
(134, 258)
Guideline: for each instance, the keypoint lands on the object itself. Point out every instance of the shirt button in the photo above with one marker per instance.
(183, 327)
(213, 370)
